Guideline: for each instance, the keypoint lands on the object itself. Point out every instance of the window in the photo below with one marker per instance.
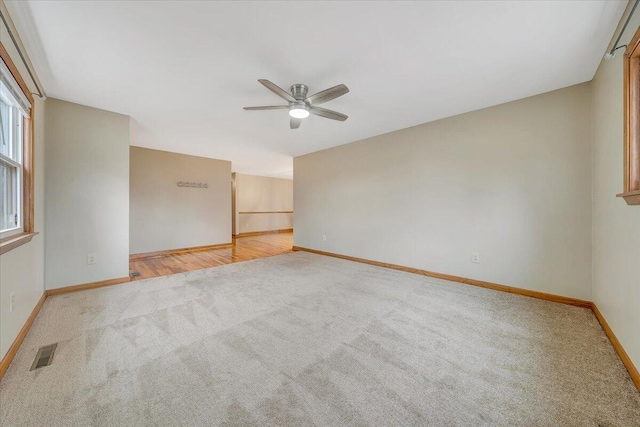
(10, 164)
(16, 157)
(631, 168)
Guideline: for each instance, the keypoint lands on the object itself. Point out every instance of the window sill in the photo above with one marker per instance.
(632, 197)
(14, 241)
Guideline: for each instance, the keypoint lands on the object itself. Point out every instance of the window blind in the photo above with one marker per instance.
(14, 89)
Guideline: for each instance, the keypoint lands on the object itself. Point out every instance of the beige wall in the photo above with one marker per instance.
(165, 216)
(616, 226)
(510, 182)
(87, 194)
(262, 194)
(22, 269)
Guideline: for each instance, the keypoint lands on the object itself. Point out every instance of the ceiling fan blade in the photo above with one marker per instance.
(329, 114)
(277, 90)
(268, 107)
(295, 123)
(327, 94)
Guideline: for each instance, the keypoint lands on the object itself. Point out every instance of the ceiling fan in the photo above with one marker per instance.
(300, 105)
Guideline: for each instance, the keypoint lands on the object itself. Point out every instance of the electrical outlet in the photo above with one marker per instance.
(92, 259)
(324, 237)
(475, 257)
(12, 301)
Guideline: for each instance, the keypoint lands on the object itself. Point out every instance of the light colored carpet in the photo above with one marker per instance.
(302, 339)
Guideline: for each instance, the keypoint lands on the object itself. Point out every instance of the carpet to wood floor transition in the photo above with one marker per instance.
(303, 339)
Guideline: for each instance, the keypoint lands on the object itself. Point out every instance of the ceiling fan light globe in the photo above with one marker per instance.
(298, 113)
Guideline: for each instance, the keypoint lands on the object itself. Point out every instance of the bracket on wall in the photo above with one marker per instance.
(193, 184)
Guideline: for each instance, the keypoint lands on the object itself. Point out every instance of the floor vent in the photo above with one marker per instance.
(44, 357)
(135, 274)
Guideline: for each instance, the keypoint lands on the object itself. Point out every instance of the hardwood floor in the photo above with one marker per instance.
(243, 249)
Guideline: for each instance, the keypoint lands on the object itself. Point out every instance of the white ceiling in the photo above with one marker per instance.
(184, 70)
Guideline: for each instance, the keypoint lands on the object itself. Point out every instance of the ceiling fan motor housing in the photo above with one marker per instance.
(299, 91)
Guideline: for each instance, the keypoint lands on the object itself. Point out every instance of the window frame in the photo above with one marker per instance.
(24, 236)
(631, 169)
